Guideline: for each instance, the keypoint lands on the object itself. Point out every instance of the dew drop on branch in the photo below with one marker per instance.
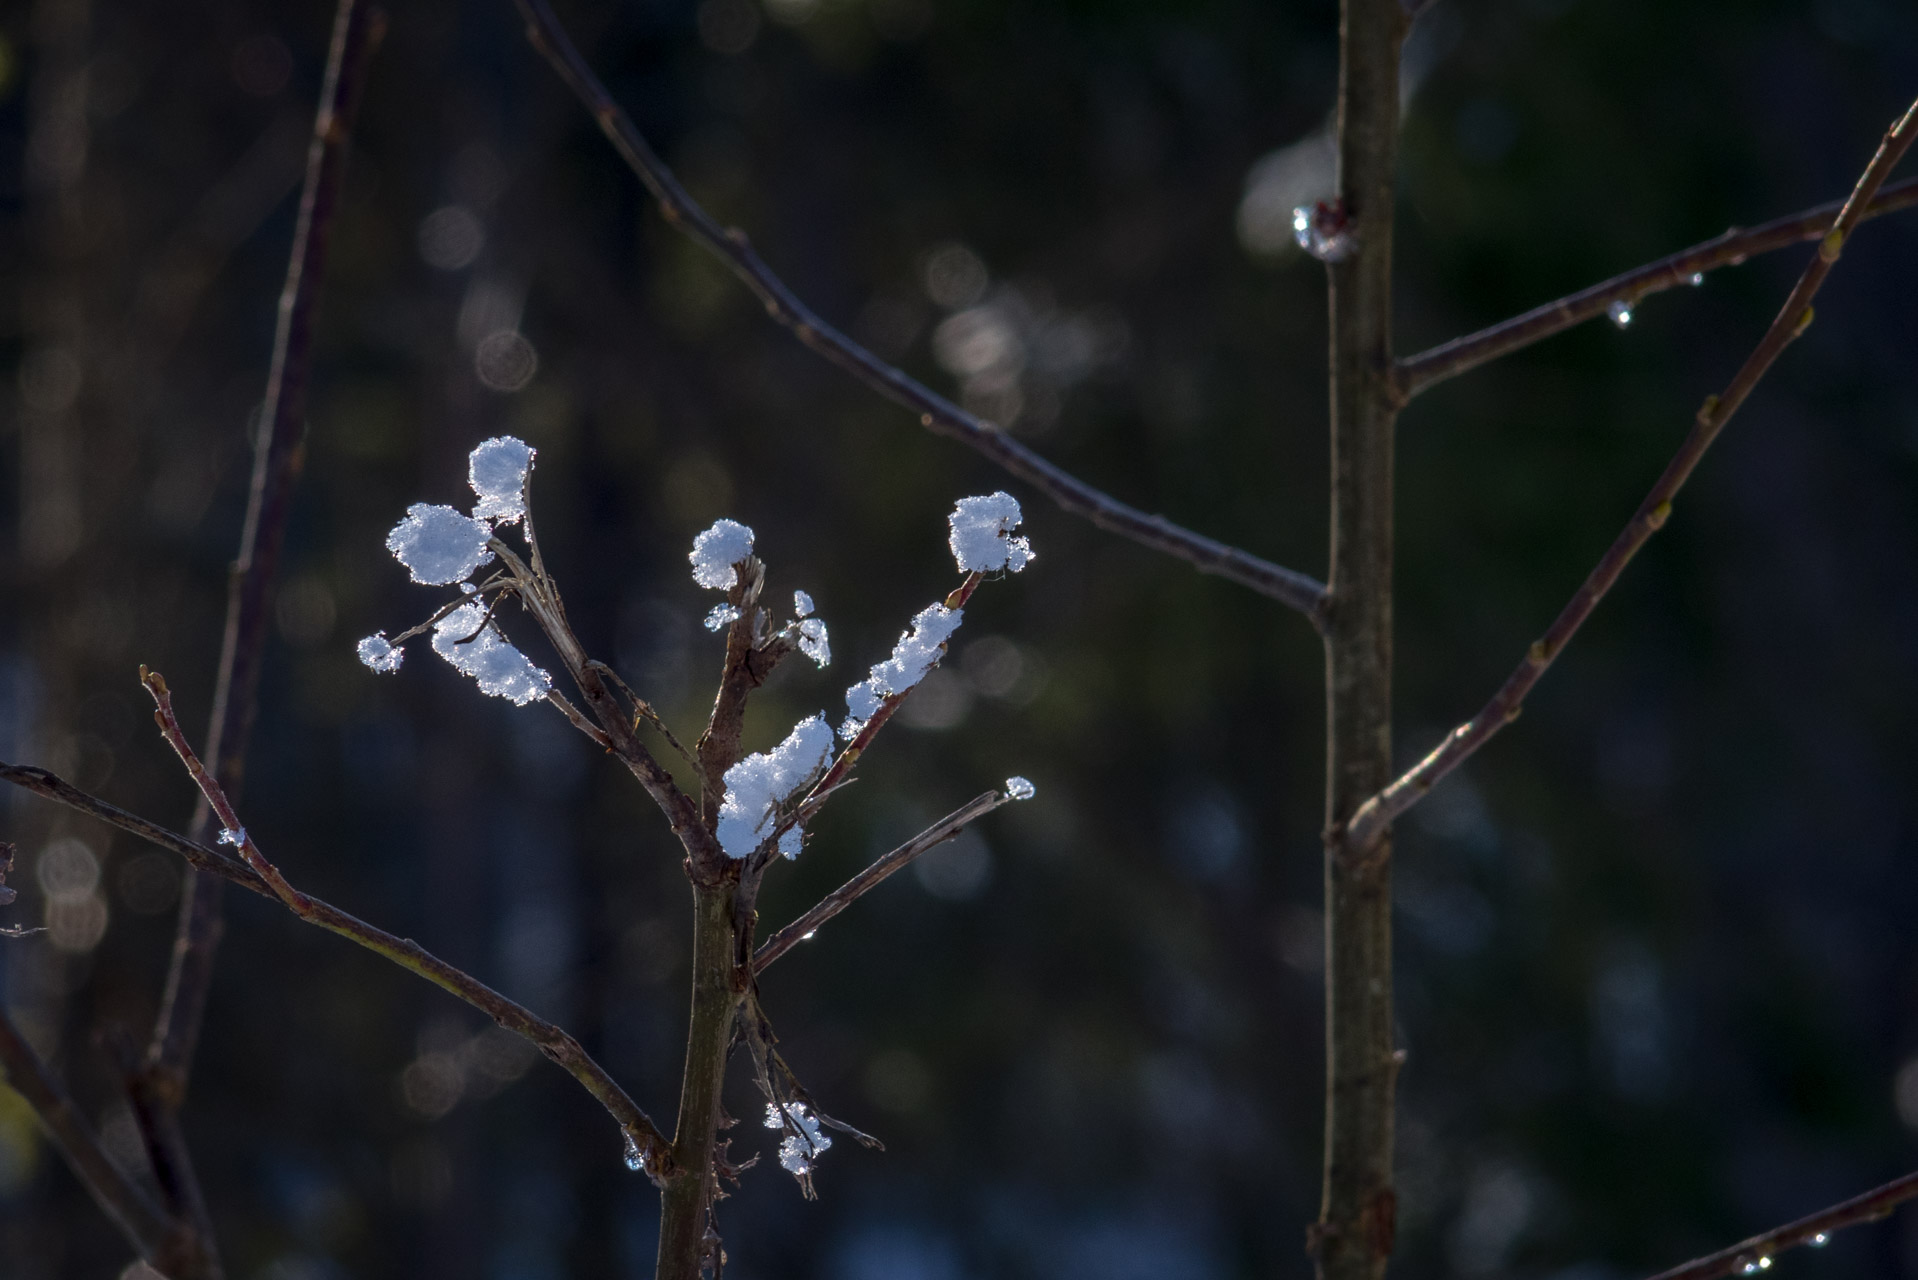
(1621, 313)
(1020, 788)
(1698, 278)
(1324, 231)
(635, 1160)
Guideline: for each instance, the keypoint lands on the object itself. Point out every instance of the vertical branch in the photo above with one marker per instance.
(276, 459)
(1353, 1237)
(687, 1244)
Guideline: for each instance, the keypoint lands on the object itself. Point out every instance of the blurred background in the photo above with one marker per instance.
(1658, 963)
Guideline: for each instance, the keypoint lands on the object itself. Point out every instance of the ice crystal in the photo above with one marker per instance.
(720, 616)
(916, 653)
(235, 836)
(497, 471)
(438, 545)
(501, 670)
(981, 538)
(802, 604)
(715, 552)
(756, 786)
(797, 1154)
(813, 641)
(379, 653)
(635, 1160)
(1020, 788)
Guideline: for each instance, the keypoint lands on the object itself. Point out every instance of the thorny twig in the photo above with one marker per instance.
(1449, 359)
(1371, 819)
(936, 413)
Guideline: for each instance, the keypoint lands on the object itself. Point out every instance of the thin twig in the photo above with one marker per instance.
(1757, 1253)
(150, 1229)
(863, 883)
(837, 776)
(555, 1043)
(1449, 359)
(1376, 814)
(936, 413)
(357, 28)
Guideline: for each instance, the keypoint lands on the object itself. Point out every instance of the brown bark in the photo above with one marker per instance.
(1353, 1237)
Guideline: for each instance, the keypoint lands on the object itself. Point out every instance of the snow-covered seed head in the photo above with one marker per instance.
(501, 670)
(757, 785)
(497, 470)
(379, 653)
(981, 538)
(1020, 788)
(715, 552)
(438, 545)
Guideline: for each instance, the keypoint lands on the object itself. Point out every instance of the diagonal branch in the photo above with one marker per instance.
(157, 1236)
(936, 413)
(551, 1040)
(1371, 819)
(1756, 1254)
(863, 883)
(357, 28)
(1449, 359)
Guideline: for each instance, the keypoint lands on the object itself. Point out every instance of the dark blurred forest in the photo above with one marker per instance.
(1658, 962)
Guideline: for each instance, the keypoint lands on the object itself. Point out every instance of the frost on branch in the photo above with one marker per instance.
(438, 545)
(813, 641)
(916, 653)
(802, 604)
(379, 653)
(797, 1154)
(721, 615)
(497, 471)
(757, 785)
(981, 538)
(500, 669)
(717, 550)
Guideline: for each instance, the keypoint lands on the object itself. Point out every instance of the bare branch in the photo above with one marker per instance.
(357, 28)
(555, 1043)
(1757, 1253)
(863, 883)
(936, 413)
(1449, 359)
(537, 593)
(150, 1229)
(1372, 818)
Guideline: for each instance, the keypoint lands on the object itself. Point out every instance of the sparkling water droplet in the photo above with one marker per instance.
(808, 935)
(634, 1160)
(1820, 1240)
(1698, 278)
(1621, 313)
(1764, 1263)
(1748, 1267)
(1324, 231)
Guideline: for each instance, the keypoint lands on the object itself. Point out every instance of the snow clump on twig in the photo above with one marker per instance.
(438, 545)
(916, 653)
(715, 552)
(497, 470)
(797, 1154)
(757, 785)
(981, 538)
(501, 670)
(379, 653)
(1020, 788)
